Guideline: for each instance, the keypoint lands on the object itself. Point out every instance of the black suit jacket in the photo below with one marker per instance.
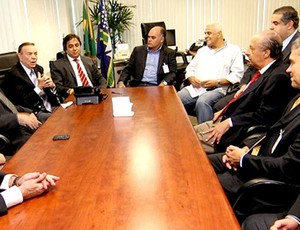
(3, 208)
(261, 104)
(19, 89)
(64, 76)
(281, 161)
(133, 72)
(287, 51)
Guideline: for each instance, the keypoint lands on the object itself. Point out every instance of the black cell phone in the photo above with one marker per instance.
(61, 137)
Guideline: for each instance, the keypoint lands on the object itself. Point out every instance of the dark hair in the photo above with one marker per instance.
(288, 14)
(24, 44)
(273, 42)
(68, 38)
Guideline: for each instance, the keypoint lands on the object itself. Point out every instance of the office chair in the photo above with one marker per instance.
(263, 195)
(146, 27)
(7, 60)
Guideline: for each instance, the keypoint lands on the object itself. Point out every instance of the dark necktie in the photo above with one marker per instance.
(7, 103)
(81, 73)
(254, 78)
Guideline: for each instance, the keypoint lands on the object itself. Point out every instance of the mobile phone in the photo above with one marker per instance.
(61, 137)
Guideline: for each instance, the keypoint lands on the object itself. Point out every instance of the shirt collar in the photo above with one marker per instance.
(27, 70)
(265, 68)
(72, 59)
(287, 40)
(156, 51)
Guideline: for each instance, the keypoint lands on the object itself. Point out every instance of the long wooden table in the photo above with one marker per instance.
(142, 172)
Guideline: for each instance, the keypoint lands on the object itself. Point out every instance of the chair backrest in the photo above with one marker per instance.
(7, 60)
(146, 27)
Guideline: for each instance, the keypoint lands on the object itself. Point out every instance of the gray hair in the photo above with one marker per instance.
(296, 45)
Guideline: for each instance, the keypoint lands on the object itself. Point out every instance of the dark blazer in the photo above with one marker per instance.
(3, 208)
(133, 72)
(261, 104)
(284, 162)
(64, 76)
(295, 209)
(19, 89)
(287, 51)
(249, 73)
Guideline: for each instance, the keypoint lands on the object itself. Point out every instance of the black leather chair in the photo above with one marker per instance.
(146, 27)
(7, 60)
(263, 195)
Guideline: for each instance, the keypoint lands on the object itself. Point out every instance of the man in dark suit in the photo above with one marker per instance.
(151, 64)
(285, 22)
(65, 72)
(27, 86)
(262, 101)
(15, 189)
(16, 123)
(279, 153)
(287, 220)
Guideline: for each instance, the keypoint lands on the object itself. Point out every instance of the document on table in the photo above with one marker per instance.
(122, 107)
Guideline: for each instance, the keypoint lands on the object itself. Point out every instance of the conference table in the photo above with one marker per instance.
(146, 171)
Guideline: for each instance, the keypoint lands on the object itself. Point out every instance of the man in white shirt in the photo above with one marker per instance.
(211, 71)
(14, 189)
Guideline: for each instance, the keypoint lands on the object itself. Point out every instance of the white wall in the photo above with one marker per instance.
(45, 22)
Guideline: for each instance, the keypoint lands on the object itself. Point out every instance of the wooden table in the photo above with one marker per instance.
(142, 172)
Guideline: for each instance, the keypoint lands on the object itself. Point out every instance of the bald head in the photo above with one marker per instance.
(264, 48)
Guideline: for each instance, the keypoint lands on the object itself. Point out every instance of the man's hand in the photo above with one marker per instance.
(195, 82)
(34, 184)
(216, 115)
(217, 131)
(234, 155)
(226, 161)
(209, 84)
(240, 91)
(45, 81)
(121, 85)
(28, 120)
(285, 224)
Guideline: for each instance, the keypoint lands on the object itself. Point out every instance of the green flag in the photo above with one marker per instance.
(88, 33)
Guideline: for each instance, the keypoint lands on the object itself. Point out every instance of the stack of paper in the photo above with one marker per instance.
(122, 107)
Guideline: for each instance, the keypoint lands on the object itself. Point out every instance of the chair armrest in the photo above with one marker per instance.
(263, 195)
(5, 145)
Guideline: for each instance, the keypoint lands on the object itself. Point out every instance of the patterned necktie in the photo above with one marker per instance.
(254, 78)
(81, 73)
(7, 103)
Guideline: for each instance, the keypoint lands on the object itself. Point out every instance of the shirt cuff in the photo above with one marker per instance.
(12, 196)
(241, 160)
(39, 91)
(5, 181)
(295, 218)
(230, 122)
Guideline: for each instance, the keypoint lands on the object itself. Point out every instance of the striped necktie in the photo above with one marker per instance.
(81, 73)
(254, 78)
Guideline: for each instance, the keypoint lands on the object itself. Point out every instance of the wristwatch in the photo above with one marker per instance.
(218, 83)
(164, 82)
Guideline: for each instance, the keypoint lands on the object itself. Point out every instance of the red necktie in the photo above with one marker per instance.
(81, 73)
(254, 78)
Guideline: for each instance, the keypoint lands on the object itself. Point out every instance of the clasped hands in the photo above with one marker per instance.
(45, 81)
(204, 84)
(233, 155)
(35, 183)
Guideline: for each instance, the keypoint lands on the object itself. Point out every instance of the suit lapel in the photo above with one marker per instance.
(161, 59)
(287, 51)
(70, 68)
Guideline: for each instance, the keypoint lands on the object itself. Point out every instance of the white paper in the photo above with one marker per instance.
(122, 107)
(194, 92)
(66, 104)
